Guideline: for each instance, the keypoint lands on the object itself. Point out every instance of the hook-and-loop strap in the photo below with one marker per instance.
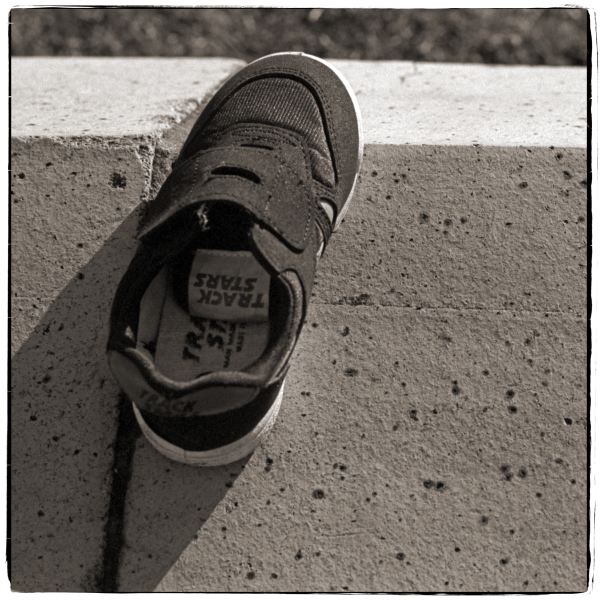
(270, 184)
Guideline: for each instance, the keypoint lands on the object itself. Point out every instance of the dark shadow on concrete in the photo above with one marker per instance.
(124, 449)
(82, 502)
(167, 505)
(63, 420)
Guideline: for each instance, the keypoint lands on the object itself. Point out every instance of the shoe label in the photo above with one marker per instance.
(188, 346)
(229, 286)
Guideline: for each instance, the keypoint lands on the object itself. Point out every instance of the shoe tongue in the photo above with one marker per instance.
(228, 285)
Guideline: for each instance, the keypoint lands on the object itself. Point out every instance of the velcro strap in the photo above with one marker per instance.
(275, 186)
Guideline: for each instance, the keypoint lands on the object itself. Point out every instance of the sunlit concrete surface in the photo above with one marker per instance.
(433, 433)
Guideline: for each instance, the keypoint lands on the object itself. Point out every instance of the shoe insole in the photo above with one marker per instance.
(225, 326)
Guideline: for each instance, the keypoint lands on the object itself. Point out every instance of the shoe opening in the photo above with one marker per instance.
(213, 306)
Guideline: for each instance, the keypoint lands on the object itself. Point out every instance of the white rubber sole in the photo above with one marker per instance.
(354, 99)
(217, 456)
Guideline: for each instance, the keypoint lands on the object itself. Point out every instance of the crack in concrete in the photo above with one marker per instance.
(453, 309)
(124, 449)
(155, 156)
(342, 534)
(146, 154)
(424, 309)
(415, 71)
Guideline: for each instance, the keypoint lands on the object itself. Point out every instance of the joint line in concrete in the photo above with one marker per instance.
(124, 449)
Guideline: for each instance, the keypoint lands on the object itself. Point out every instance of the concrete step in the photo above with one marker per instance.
(433, 436)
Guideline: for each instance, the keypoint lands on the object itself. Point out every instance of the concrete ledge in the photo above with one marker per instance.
(437, 400)
(450, 104)
(104, 98)
(75, 205)
(401, 102)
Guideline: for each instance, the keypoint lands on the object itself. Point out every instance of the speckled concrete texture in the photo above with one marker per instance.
(463, 227)
(416, 103)
(75, 210)
(433, 431)
(416, 451)
(453, 104)
(72, 236)
(108, 97)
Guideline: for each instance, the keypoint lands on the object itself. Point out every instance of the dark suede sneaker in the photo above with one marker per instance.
(205, 319)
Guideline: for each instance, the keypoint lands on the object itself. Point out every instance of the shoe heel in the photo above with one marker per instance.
(217, 456)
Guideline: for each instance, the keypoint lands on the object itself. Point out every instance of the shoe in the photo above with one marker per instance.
(206, 318)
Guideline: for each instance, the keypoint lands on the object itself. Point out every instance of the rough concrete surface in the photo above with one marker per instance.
(450, 104)
(397, 464)
(433, 434)
(109, 97)
(463, 227)
(70, 244)
(75, 210)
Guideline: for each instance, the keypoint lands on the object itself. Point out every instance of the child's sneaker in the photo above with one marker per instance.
(205, 319)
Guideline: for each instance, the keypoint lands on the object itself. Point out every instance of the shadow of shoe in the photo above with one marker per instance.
(70, 460)
(63, 415)
(72, 440)
(167, 505)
